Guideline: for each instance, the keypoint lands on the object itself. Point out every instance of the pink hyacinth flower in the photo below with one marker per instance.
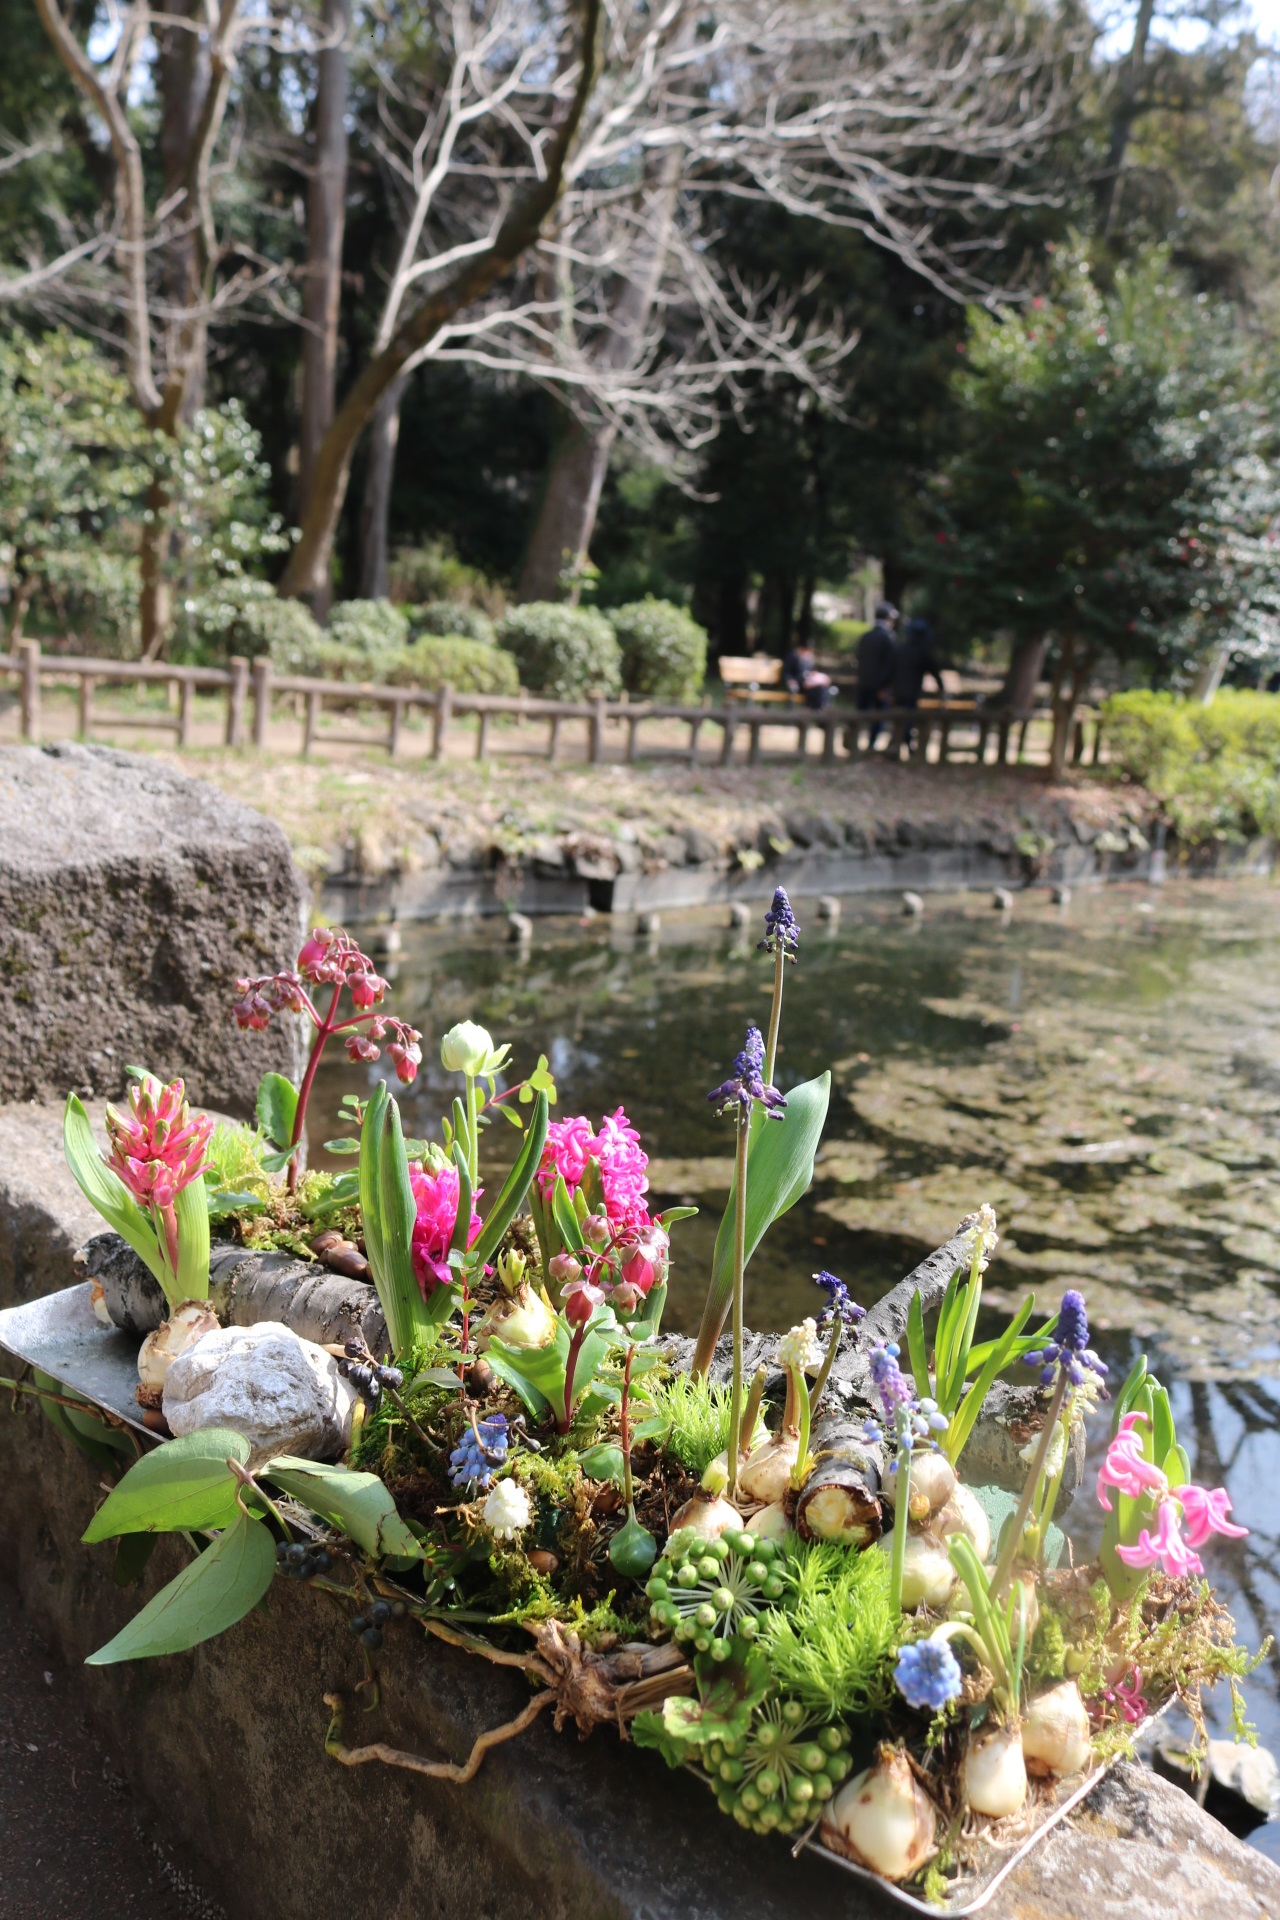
(1125, 1467)
(568, 1147)
(436, 1197)
(623, 1170)
(157, 1149)
(1204, 1513)
(1126, 1697)
(1165, 1547)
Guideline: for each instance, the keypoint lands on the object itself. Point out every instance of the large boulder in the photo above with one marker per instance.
(283, 1394)
(131, 897)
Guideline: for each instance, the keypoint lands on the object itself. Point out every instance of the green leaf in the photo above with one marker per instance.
(225, 1202)
(669, 1215)
(192, 1212)
(183, 1486)
(462, 1219)
(357, 1503)
(436, 1377)
(779, 1170)
(508, 1369)
(275, 1162)
(105, 1191)
(277, 1108)
(517, 1183)
(602, 1462)
(567, 1222)
(210, 1595)
(728, 1692)
(98, 1442)
(348, 1145)
(1002, 1352)
(133, 1555)
(917, 1349)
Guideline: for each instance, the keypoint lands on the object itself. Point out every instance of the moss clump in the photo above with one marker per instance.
(694, 1418)
(833, 1647)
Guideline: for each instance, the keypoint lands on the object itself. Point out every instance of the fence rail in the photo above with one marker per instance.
(251, 688)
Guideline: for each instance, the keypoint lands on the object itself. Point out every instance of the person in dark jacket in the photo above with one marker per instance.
(801, 674)
(875, 663)
(915, 660)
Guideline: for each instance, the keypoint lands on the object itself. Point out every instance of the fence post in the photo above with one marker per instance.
(186, 694)
(311, 722)
(86, 704)
(695, 728)
(482, 733)
(553, 738)
(726, 745)
(235, 699)
(597, 731)
(444, 711)
(29, 651)
(393, 729)
(261, 699)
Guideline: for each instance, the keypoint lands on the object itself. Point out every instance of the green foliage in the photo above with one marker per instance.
(277, 1108)
(843, 635)
(779, 1170)
(388, 1211)
(108, 1448)
(105, 1190)
(1111, 482)
(369, 626)
(956, 1359)
(251, 620)
(356, 1503)
(1215, 769)
(833, 1648)
(441, 618)
(433, 573)
(183, 1486)
(454, 660)
(664, 651)
(567, 653)
(219, 1588)
(690, 1418)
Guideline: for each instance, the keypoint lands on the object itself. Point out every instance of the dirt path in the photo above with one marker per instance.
(71, 1843)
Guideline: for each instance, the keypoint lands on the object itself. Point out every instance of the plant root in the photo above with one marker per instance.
(414, 1762)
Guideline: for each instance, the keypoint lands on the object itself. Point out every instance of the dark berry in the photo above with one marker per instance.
(371, 1639)
(392, 1377)
(282, 1552)
(296, 1554)
(359, 1624)
(379, 1613)
(323, 1560)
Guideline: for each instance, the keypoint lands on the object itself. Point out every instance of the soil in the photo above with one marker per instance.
(72, 1843)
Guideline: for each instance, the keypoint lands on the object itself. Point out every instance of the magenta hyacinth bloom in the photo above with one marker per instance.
(1125, 1467)
(624, 1179)
(1205, 1512)
(436, 1195)
(157, 1149)
(1164, 1548)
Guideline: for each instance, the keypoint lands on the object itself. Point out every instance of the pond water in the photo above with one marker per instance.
(1106, 1074)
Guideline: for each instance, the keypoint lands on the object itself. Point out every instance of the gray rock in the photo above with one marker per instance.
(739, 915)
(829, 907)
(519, 929)
(912, 904)
(546, 856)
(1002, 900)
(701, 850)
(131, 898)
(284, 1394)
(630, 859)
(813, 830)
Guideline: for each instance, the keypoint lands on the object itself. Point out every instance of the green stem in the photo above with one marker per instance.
(902, 1509)
(1055, 1485)
(739, 1262)
(473, 1132)
(775, 1015)
(628, 1492)
(805, 1406)
(751, 1412)
(1013, 1537)
(246, 1479)
(824, 1372)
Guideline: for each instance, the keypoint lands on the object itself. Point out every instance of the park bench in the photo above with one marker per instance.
(757, 678)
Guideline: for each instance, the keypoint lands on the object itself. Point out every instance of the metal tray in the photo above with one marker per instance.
(62, 1335)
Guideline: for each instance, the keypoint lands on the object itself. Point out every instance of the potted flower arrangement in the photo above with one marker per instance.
(785, 1584)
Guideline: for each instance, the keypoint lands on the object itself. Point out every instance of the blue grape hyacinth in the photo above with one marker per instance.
(473, 1463)
(928, 1674)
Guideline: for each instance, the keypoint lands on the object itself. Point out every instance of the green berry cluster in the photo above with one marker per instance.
(774, 1777)
(706, 1591)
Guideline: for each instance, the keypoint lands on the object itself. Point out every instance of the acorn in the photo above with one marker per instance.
(543, 1561)
(327, 1240)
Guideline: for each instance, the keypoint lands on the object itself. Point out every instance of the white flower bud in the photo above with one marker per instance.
(467, 1048)
(799, 1351)
(507, 1511)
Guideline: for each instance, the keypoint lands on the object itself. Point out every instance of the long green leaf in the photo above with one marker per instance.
(370, 1171)
(916, 1348)
(568, 1224)
(357, 1503)
(944, 1336)
(183, 1486)
(517, 1183)
(779, 1170)
(210, 1595)
(462, 1219)
(277, 1108)
(105, 1191)
(192, 1211)
(962, 1420)
(404, 1306)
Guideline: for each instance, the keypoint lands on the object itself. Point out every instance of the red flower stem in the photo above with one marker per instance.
(466, 1327)
(575, 1345)
(325, 1028)
(628, 1492)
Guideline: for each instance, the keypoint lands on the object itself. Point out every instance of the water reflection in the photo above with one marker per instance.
(1107, 1074)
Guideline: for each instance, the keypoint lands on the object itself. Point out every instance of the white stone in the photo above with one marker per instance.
(283, 1393)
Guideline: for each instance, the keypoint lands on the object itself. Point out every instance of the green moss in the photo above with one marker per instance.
(696, 1419)
(833, 1648)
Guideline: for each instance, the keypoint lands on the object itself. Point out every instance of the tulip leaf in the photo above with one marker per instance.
(517, 1183)
(183, 1486)
(356, 1503)
(389, 1212)
(779, 1170)
(211, 1594)
(277, 1108)
(192, 1211)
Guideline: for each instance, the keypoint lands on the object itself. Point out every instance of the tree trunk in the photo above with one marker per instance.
(322, 286)
(375, 508)
(19, 600)
(308, 568)
(1025, 667)
(804, 625)
(153, 601)
(1209, 674)
(561, 536)
(184, 87)
(1126, 112)
(731, 615)
(1074, 668)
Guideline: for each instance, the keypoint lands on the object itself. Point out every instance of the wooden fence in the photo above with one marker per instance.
(250, 688)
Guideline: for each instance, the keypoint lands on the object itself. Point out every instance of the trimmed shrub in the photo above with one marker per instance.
(1213, 769)
(567, 653)
(664, 651)
(444, 617)
(372, 626)
(434, 572)
(284, 629)
(469, 666)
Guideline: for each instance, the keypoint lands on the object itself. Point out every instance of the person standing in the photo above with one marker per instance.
(875, 662)
(915, 660)
(801, 674)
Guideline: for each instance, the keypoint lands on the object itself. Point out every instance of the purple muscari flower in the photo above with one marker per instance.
(928, 1674)
(746, 1082)
(472, 1464)
(1069, 1349)
(780, 927)
(907, 1421)
(839, 1305)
